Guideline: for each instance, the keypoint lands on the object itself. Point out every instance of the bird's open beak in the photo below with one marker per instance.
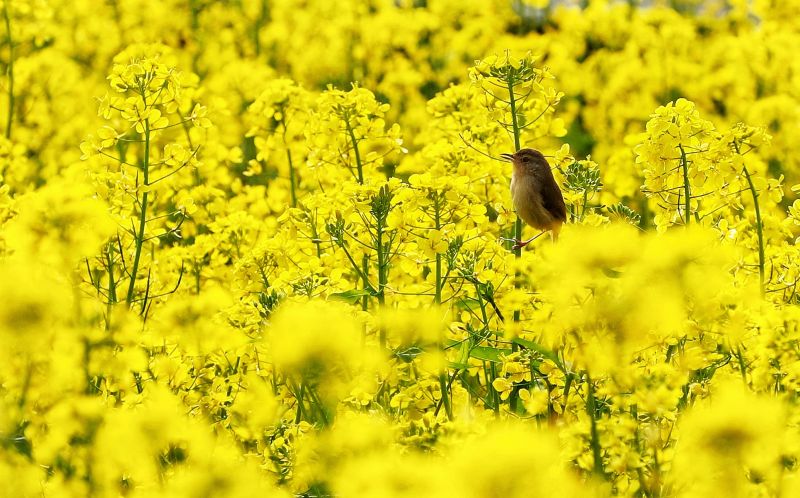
(507, 157)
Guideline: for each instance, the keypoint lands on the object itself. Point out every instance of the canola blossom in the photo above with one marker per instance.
(266, 248)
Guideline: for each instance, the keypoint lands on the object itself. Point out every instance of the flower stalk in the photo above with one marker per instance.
(139, 235)
(10, 69)
(759, 228)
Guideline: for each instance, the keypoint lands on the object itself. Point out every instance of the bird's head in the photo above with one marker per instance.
(527, 161)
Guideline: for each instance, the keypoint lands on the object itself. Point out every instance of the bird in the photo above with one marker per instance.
(535, 194)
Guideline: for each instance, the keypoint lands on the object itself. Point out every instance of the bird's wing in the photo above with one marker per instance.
(552, 199)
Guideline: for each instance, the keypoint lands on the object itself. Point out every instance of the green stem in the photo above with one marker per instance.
(112, 285)
(512, 100)
(312, 224)
(10, 118)
(567, 384)
(26, 385)
(365, 281)
(382, 275)
(291, 177)
(591, 408)
(142, 215)
(320, 407)
(315, 235)
(448, 407)
(357, 153)
(437, 298)
(382, 264)
(585, 201)
(759, 228)
(365, 259)
(299, 416)
(687, 192)
(361, 274)
(742, 365)
(446, 399)
(437, 221)
(482, 305)
(495, 395)
(644, 486)
(491, 373)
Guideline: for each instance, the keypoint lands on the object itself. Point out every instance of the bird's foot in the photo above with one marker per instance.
(519, 244)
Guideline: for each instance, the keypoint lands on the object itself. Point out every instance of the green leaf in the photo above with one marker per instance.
(468, 304)
(539, 349)
(409, 353)
(351, 297)
(611, 273)
(448, 343)
(487, 353)
(463, 354)
(461, 362)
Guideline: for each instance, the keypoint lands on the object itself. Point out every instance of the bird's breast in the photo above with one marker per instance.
(528, 202)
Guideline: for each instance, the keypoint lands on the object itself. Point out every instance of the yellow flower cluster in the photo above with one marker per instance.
(266, 249)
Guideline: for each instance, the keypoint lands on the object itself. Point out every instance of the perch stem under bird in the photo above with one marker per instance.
(535, 194)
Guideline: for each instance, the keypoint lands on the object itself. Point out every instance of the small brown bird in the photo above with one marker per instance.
(535, 193)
